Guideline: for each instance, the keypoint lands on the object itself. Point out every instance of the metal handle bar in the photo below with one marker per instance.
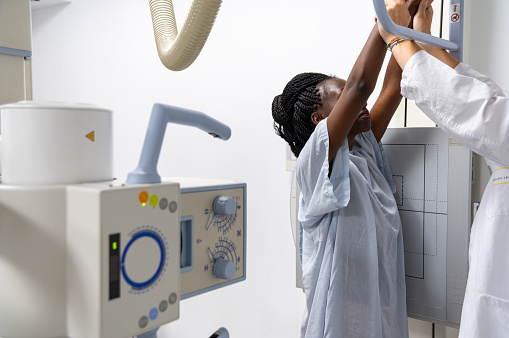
(455, 45)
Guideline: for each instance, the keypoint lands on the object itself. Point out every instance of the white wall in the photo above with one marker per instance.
(103, 52)
(486, 38)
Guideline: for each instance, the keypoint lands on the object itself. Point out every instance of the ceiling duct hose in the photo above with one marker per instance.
(178, 51)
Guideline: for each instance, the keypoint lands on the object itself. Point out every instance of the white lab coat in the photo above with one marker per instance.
(475, 111)
(352, 257)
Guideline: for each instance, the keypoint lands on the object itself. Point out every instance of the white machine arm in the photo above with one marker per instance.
(162, 114)
(178, 51)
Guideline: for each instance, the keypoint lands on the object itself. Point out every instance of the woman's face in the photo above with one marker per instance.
(330, 90)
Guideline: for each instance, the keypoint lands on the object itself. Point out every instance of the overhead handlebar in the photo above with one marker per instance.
(454, 45)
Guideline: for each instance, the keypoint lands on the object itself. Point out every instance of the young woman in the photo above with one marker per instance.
(352, 250)
(475, 111)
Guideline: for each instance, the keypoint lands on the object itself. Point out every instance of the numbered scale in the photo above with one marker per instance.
(213, 225)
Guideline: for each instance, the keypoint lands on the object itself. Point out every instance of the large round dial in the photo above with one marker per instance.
(143, 259)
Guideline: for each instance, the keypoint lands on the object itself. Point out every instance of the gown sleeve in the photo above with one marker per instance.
(465, 103)
(321, 194)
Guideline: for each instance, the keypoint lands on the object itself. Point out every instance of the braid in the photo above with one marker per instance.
(292, 109)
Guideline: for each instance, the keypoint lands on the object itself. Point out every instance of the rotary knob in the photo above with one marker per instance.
(224, 205)
(223, 269)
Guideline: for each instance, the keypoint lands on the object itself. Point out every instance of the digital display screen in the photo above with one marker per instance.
(114, 268)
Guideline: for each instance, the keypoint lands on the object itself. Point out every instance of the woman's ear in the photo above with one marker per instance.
(316, 118)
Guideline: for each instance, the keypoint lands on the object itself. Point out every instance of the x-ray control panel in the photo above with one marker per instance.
(143, 248)
(124, 256)
(114, 260)
(213, 228)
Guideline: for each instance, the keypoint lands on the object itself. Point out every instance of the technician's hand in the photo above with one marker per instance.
(398, 11)
(422, 20)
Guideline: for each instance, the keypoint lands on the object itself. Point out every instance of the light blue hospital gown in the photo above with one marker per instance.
(352, 249)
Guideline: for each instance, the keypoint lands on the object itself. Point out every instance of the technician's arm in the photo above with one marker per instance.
(359, 86)
(422, 23)
(470, 110)
(466, 70)
(468, 105)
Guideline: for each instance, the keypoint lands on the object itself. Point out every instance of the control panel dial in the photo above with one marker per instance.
(144, 259)
(224, 205)
(224, 269)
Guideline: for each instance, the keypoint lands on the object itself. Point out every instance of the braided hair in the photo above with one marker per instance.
(292, 109)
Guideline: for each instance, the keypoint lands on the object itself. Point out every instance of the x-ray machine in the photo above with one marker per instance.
(85, 255)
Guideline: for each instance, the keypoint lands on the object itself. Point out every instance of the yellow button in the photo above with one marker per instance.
(153, 200)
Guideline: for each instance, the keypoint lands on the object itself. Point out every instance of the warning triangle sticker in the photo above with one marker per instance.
(91, 136)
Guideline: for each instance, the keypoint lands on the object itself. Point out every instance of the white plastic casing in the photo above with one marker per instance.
(32, 261)
(56, 262)
(94, 213)
(55, 143)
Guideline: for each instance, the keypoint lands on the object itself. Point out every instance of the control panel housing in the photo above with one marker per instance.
(123, 258)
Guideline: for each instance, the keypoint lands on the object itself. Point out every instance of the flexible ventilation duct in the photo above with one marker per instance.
(178, 51)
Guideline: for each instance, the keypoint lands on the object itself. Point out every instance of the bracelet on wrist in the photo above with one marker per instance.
(394, 42)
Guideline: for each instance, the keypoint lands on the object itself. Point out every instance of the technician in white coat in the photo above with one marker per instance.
(475, 111)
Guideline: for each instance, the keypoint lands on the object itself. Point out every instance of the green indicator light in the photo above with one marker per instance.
(114, 245)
